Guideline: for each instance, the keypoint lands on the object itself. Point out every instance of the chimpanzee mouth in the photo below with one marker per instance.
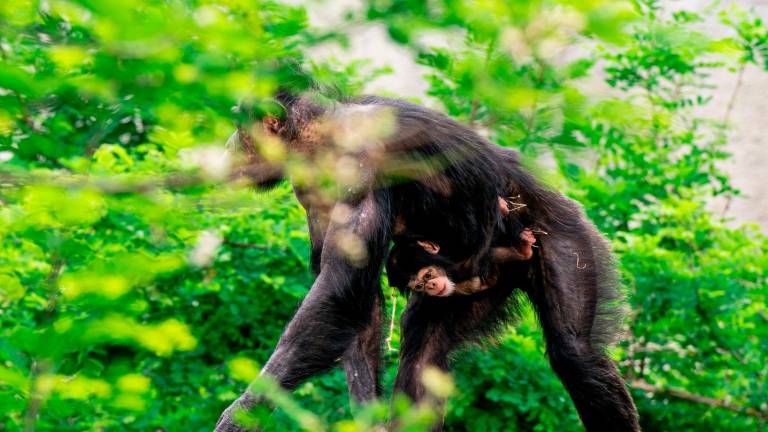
(447, 290)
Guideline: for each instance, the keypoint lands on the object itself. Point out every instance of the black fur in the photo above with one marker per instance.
(406, 258)
(451, 199)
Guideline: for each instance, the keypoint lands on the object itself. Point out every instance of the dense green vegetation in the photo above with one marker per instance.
(139, 290)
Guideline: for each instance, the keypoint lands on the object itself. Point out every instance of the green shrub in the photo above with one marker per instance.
(140, 291)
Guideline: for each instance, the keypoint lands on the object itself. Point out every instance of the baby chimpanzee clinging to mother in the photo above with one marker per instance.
(416, 264)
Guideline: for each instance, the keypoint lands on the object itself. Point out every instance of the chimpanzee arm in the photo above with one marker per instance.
(340, 304)
(504, 254)
(470, 286)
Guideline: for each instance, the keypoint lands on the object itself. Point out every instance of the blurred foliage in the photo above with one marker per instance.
(138, 291)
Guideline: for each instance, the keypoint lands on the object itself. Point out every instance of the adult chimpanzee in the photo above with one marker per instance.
(442, 181)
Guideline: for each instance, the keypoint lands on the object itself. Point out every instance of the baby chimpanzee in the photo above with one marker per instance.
(416, 264)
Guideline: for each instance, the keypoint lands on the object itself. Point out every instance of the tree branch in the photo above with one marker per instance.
(116, 185)
(699, 399)
(244, 245)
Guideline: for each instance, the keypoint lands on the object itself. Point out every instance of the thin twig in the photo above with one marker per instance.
(654, 117)
(727, 119)
(109, 185)
(736, 89)
(244, 245)
(53, 291)
(473, 112)
(727, 206)
(393, 297)
(35, 399)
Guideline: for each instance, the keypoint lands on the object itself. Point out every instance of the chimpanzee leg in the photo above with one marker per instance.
(361, 361)
(425, 342)
(569, 294)
(432, 327)
(337, 308)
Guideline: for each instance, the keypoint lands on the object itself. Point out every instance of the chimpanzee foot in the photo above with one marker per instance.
(228, 420)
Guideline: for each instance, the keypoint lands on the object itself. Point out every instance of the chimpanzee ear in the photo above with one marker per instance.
(428, 246)
(271, 124)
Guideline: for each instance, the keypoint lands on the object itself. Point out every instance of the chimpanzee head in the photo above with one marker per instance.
(416, 265)
(291, 128)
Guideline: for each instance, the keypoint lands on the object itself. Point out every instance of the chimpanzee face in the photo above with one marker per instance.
(418, 267)
(432, 280)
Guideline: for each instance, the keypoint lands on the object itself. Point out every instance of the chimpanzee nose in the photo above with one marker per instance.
(431, 285)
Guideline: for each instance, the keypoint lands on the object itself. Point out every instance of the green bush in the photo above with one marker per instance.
(140, 291)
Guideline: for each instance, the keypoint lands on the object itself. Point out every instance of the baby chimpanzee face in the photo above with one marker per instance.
(417, 266)
(432, 281)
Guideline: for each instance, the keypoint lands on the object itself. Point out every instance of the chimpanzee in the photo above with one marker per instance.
(415, 264)
(442, 180)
